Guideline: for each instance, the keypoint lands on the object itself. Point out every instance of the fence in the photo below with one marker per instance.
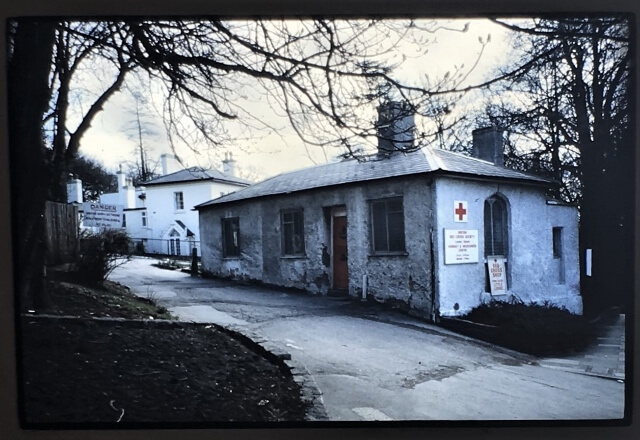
(175, 248)
(62, 232)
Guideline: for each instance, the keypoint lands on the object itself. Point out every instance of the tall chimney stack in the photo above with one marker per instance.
(395, 127)
(74, 190)
(169, 164)
(229, 164)
(121, 177)
(488, 144)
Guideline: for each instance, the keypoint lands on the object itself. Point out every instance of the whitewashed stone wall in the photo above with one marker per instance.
(403, 280)
(531, 273)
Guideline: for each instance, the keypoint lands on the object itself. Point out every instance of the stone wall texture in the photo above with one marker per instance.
(417, 279)
(404, 279)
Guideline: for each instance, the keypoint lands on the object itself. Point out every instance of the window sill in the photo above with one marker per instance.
(389, 254)
(294, 257)
(232, 257)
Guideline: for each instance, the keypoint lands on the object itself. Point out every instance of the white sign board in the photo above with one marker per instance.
(497, 275)
(102, 215)
(460, 211)
(460, 246)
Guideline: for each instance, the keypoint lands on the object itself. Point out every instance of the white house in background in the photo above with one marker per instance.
(159, 216)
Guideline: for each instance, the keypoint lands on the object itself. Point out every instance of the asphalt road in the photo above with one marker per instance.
(373, 364)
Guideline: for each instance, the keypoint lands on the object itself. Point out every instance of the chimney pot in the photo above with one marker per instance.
(74, 190)
(228, 164)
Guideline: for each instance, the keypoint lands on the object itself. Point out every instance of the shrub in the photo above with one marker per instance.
(102, 252)
(539, 329)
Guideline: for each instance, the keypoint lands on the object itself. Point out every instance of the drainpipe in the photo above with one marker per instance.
(435, 291)
(365, 282)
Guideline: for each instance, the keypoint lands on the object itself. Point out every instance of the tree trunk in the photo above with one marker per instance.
(29, 94)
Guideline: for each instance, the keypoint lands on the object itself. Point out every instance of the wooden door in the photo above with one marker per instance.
(340, 266)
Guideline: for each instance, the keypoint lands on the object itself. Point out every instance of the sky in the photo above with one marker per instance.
(112, 138)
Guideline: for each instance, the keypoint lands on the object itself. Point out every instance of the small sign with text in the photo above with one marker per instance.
(102, 215)
(460, 246)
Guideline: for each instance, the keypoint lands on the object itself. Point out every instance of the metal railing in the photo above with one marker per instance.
(174, 248)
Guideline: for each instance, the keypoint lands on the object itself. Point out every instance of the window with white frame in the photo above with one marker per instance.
(174, 243)
(144, 218)
(178, 199)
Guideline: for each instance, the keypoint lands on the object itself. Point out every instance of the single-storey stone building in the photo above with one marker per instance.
(435, 231)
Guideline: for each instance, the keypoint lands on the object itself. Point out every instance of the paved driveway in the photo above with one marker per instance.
(374, 364)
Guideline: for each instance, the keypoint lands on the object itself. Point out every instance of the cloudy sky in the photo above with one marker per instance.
(112, 138)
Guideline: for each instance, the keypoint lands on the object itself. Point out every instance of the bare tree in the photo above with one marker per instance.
(143, 168)
(321, 74)
(577, 117)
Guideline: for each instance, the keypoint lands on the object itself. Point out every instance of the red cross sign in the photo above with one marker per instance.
(459, 211)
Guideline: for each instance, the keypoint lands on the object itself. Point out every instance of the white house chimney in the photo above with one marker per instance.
(128, 197)
(229, 164)
(395, 127)
(121, 177)
(488, 144)
(74, 190)
(169, 164)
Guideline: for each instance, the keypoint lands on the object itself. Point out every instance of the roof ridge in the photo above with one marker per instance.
(503, 167)
(455, 153)
(435, 163)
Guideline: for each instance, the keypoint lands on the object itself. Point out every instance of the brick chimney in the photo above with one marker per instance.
(395, 127)
(488, 144)
(229, 164)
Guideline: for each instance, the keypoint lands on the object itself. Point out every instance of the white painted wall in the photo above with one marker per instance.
(126, 197)
(160, 209)
(161, 212)
(531, 263)
(134, 227)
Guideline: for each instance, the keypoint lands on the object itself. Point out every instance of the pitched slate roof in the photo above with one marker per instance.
(427, 160)
(195, 174)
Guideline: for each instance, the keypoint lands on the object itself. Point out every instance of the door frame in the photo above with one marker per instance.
(338, 211)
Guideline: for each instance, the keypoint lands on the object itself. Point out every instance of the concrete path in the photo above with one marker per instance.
(370, 363)
(604, 358)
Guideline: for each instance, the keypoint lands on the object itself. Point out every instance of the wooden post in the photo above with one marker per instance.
(194, 262)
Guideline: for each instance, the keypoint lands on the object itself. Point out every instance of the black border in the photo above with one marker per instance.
(144, 8)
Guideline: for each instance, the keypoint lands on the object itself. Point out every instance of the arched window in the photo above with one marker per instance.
(496, 230)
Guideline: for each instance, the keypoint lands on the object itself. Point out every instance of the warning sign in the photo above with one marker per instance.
(497, 275)
(460, 246)
(102, 215)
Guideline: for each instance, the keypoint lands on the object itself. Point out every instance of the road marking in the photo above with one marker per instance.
(371, 414)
